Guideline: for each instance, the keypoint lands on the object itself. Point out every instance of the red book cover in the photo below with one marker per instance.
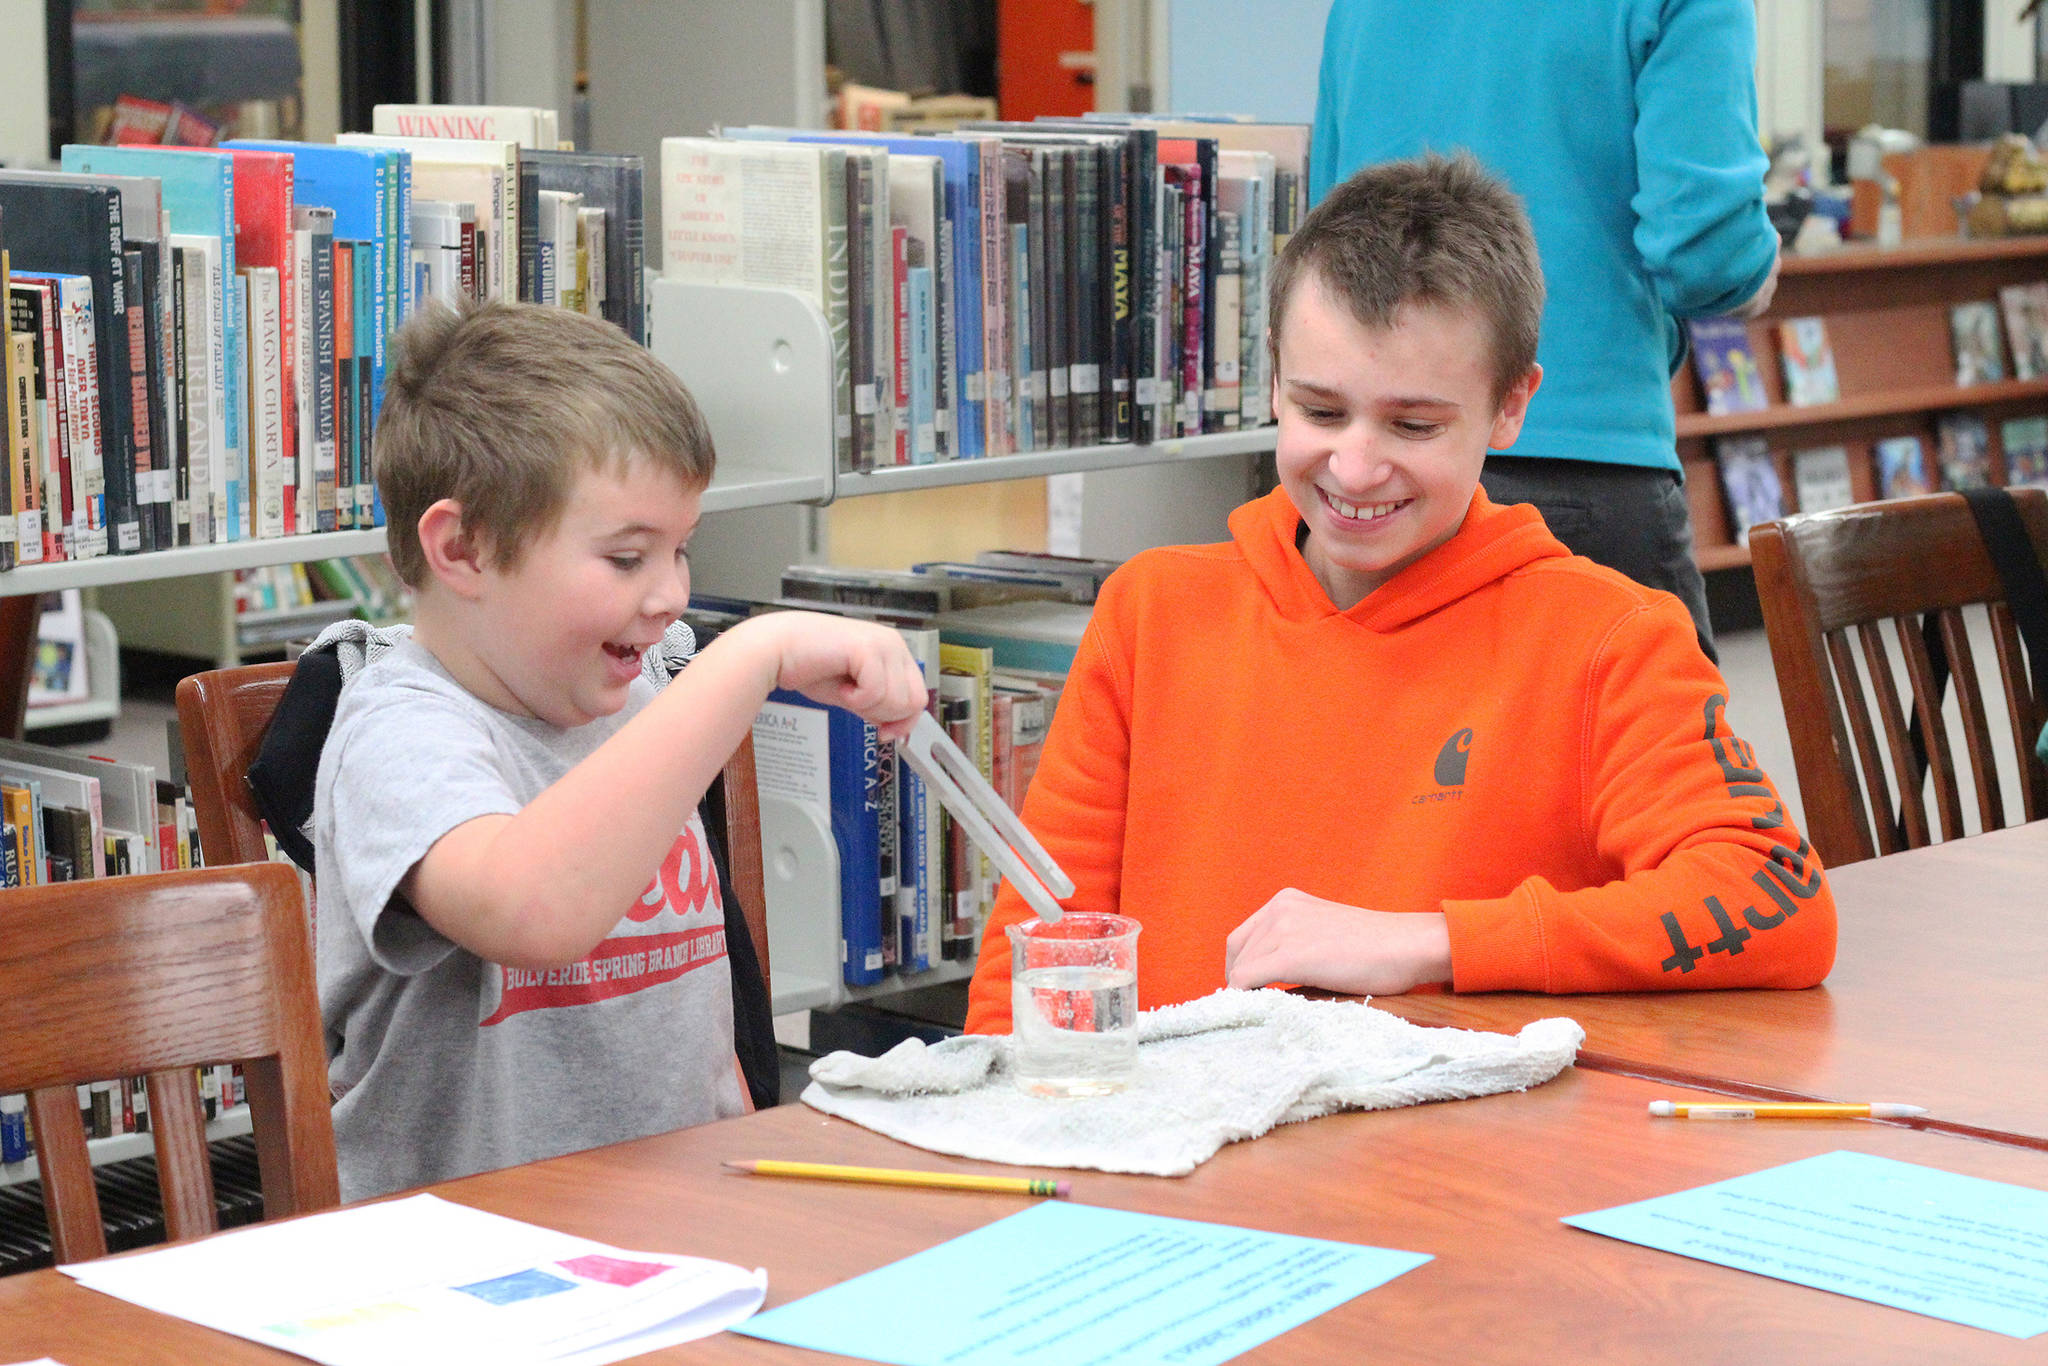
(263, 237)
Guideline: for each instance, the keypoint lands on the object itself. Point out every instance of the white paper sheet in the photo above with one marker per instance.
(425, 1280)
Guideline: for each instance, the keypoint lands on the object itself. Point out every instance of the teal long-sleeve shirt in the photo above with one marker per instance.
(1629, 129)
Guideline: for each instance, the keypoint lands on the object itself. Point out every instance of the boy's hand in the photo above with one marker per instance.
(1307, 941)
(859, 665)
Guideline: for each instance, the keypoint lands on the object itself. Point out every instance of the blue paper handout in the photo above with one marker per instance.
(1072, 1283)
(1948, 1246)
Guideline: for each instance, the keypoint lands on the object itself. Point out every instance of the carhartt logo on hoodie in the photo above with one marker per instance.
(1450, 760)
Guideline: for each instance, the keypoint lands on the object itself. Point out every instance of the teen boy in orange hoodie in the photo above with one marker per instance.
(1392, 734)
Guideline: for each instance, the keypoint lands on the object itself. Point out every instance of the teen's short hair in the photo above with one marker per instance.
(500, 405)
(1435, 230)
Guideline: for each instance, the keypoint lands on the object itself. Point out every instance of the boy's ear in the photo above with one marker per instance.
(1514, 406)
(453, 556)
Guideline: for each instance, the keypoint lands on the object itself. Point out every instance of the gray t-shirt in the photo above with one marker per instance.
(445, 1064)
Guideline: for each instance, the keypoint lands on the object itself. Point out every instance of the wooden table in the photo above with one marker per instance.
(1479, 1184)
(1939, 997)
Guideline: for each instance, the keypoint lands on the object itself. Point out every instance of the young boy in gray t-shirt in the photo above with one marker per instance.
(521, 939)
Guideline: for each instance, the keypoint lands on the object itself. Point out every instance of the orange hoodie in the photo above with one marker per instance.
(1528, 742)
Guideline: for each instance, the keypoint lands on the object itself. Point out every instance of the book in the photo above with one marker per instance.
(2026, 451)
(824, 760)
(1749, 476)
(76, 230)
(1726, 365)
(1809, 362)
(2026, 328)
(1820, 478)
(1901, 467)
(613, 182)
(206, 392)
(1963, 450)
(529, 126)
(199, 196)
(1973, 327)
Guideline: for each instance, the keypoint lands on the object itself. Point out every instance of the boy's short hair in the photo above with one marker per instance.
(499, 405)
(1435, 230)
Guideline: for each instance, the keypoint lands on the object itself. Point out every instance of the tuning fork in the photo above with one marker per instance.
(934, 757)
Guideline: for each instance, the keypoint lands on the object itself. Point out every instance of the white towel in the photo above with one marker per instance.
(1209, 1072)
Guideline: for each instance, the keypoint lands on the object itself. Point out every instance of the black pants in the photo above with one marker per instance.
(1627, 517)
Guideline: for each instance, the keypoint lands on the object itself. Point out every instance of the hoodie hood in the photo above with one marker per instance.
(1493, 542)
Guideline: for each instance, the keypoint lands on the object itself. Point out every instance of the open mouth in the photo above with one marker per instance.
(623, 653)
(1361, 512)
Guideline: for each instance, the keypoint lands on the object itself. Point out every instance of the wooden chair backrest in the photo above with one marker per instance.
(222, 714)
(221, 717)
(155, 976)
(1830, 584)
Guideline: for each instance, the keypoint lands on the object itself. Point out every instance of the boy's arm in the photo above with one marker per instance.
(543, 887)
(1716, 888)
(1075, 808)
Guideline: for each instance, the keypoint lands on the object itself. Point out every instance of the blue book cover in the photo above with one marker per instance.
(961, 163)
(855, 758)
(914, 874)
(199, 196)
(1727, 366)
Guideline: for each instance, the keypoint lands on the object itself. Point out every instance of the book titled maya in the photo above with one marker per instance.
(1901, 467)
(1749, 475)
(1727, 366)
(1809, 362)
(1963, 449)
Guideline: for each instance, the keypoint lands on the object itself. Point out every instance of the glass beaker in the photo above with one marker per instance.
(1074, 1004)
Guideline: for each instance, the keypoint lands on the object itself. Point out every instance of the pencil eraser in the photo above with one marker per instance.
(1062, 1190)
(1663, 1108)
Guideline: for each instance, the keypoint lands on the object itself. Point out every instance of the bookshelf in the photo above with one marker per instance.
(1887, 313)
(230, 1123)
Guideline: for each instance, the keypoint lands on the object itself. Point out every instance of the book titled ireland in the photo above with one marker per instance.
(1727, 366)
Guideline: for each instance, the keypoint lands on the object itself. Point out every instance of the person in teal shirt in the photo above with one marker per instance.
(1629, 129)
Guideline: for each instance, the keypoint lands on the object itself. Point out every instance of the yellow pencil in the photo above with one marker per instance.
(890, 1176)
(1784, 1109)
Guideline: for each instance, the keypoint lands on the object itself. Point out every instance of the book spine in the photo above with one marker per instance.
(1025, 407)
(838, 310)
(1228, 305)
(963, 221)
(1193, 368)
(345, 385)
(241, 469)
(220, 452)
(923, 367)
(55, 417)
(15, 545)
(299, 516)
(181, 400)
(1092, 396)
(369, 369)
(1116, 268)
(227, 508)
(289, 290)
(995, 284)
(272, 472)
(320, 323)
(88, 480)
(631, 271)
(141, 446)
(899, 242)
(169, 408)
(862, 324)
(375, 325)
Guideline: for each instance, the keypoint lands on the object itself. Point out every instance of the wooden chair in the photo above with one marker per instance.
(1829, 582)
(222, 715)
(159, 975)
